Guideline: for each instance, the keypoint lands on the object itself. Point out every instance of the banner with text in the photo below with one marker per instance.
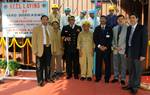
(19, 18)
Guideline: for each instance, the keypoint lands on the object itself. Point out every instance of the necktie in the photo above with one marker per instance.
(47, 36)
(131, 35)
(119, 31)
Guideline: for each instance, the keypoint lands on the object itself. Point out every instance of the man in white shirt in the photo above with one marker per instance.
(136, 48)
(64, 17)
(80, 19)
(92, 18)
(41, 47)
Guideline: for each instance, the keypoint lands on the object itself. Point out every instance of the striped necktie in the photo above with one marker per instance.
(47, 36)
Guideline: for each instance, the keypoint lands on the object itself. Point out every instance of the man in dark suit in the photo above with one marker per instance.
(136, 45)
(103, 40)
(69, 35)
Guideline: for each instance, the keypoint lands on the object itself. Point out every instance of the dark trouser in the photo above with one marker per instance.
(43, 65)
(99, 61)
(135, 69)
(72, 62)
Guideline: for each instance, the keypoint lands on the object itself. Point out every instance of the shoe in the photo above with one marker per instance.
(76, 77)
(133, 91)
(89, 79)
(68, 77)
(41, 84)
(53, 76)
(126, 88)
(122, 82)
(50, 81)
(1, 81)
(106, 81)
(82, 78)
(97, 80)
(61, 74)
(114, 81)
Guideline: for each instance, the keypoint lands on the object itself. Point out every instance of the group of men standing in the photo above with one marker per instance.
(78, 39)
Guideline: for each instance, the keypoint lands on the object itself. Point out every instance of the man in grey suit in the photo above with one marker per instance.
(118, 46)
(136, 46)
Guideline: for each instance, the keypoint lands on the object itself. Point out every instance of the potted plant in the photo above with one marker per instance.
(13, 67)
(3, 66)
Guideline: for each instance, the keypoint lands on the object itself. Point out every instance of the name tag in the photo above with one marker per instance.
(107, 36)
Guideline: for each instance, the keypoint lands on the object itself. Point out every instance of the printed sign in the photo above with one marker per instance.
(19, 18)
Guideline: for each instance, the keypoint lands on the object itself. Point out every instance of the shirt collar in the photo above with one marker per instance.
(103, 26)
(44, 25)
(72, 26)
(134, 26)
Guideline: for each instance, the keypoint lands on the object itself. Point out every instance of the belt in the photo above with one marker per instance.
(48, 45)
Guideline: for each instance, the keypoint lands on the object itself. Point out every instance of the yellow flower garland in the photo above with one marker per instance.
(14, 41)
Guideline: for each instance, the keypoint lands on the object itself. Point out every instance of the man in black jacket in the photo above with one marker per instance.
(69, 35)
(136, 45)
(103, 40)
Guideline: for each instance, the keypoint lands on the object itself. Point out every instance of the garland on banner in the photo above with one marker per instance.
(14, 41)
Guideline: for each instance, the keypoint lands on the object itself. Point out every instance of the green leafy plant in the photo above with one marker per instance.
(13, 65)
(3, 64)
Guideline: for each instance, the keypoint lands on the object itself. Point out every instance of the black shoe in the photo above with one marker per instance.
(82, 78)
(61, 74)
(76, 77)
(53, 76)
(1, 81)
(68, 77)
(133, 91)
(41, 84)
(50, 81)
(114, 81)
(106, 81)
(97, 80)
(122, 82)
(89, 79)
(126, 88)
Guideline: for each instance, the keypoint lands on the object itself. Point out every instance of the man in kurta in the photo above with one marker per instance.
(55, 13)
(86, 48)
(57, 50)
(92, 19)
(64, 17)
(41, 47)
(80, 19)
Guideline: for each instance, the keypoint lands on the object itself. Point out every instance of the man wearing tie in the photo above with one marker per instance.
(103, 40)
(136, 46)
(69, 35)
(41, 47)
(118, 46)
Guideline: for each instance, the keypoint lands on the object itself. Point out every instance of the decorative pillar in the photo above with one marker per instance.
(149, 29)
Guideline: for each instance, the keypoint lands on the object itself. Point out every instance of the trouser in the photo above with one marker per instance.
(72, 62)
(119, 59)
(43, 65)
(135, 69)
(86, 64)
(99, 61)
(56, 64)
